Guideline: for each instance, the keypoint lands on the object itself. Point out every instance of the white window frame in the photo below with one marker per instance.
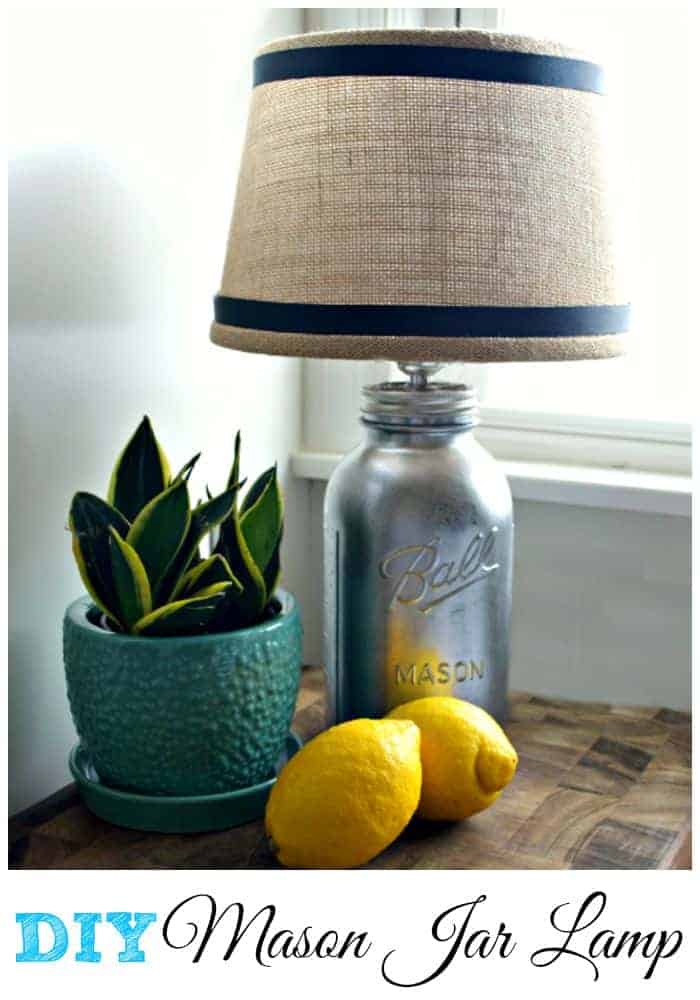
(645, 464)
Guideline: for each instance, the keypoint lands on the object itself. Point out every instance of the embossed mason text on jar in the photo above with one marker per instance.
(418, 557)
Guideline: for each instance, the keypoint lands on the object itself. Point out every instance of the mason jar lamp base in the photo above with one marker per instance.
(418, 555)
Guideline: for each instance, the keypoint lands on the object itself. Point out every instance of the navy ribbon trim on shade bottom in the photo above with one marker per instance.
(422, 321)
(437, 61)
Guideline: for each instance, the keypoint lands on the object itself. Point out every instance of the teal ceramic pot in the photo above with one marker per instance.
(191, 715)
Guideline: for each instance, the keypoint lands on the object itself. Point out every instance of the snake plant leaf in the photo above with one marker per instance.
(187, 617)
(130, 581)
(261, 518)
(271, 574)
(213, 589)
(215, 569)
(186, 471)
(141, 472)
(211, 513)
(205, 517)
(90, 514)
(195, 560)
(89, 520)
(234, 474)
(159, 530)
(245, 608)
(257, 488)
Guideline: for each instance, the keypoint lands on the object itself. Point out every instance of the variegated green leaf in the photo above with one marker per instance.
(256, 490)
(186, 471)
(89, 520)
(90, 514)
(244, 608)
(272, 572)
(261, 518)
(186, 617)
(204, 518)
(104, 598)
(141, 472)
(130, 582)
(234, 474)
(215, 569)
(148, 575)
(159, 530)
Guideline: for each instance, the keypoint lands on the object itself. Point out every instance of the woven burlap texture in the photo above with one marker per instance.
(475, 350)
(460, 38)
(422, 191)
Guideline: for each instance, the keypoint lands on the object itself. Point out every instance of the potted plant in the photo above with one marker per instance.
(182, 669)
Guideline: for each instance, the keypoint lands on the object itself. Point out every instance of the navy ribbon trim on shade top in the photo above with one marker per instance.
(438, 61)
(422, 321)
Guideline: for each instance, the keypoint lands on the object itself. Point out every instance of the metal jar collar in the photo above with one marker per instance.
(400, 406)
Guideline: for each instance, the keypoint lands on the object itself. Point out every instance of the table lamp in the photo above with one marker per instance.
(422, 196)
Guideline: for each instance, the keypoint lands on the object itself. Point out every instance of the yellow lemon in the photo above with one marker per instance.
(467, 759)
(346, 795)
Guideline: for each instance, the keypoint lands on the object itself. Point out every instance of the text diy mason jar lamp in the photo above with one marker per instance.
(421, 197)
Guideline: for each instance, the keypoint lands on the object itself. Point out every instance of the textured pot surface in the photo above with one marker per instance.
(191, 715)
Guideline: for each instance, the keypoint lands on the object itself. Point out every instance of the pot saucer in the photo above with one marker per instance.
(171, 813)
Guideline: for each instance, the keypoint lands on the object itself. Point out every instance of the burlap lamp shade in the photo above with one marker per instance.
(423, 195)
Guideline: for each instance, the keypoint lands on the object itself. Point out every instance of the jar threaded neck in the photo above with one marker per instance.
(399, 405)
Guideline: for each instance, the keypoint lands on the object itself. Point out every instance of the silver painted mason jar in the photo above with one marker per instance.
(418, 558)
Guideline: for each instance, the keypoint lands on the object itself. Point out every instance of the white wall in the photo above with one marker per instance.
(125, 137)
(601, 603)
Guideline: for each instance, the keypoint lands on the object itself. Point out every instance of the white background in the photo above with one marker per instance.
(396, 908)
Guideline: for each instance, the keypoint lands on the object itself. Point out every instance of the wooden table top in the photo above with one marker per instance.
(598, 786)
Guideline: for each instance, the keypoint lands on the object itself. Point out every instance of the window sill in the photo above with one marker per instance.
(575, 485)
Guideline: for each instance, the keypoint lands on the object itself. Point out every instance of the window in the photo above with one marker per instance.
(630, 412)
